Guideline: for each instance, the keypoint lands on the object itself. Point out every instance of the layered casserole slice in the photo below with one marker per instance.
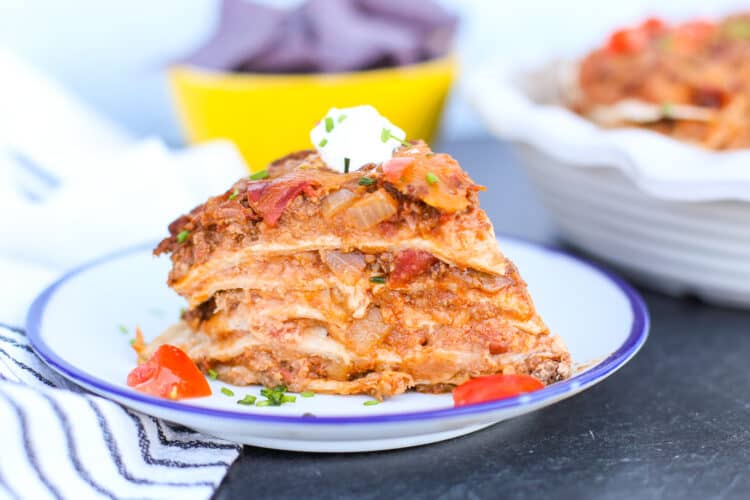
(373, 281)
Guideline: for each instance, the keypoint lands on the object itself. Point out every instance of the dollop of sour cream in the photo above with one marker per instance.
(350, 138)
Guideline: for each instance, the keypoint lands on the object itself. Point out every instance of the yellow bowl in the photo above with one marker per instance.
(269, 115)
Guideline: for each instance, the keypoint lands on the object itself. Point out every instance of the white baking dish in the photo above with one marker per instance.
(673, 216)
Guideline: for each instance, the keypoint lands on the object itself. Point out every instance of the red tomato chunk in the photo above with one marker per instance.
(171, 374)
(493, 387)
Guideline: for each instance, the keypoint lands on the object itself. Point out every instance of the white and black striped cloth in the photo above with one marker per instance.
(58, 441)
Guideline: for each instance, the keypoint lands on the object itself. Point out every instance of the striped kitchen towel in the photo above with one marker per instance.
(58, 441)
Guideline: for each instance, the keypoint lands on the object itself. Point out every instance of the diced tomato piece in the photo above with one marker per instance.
(436, 179)
(170, 373)
(270, 198)
(408, 264)
(394, 168)
(627, 41)
(653, 26)
(492, 387)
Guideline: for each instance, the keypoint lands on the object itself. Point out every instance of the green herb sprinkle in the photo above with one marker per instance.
(182, 236)
(227, 391)
(386, 134)
(263, 174)
(275, 396)
(248, 400)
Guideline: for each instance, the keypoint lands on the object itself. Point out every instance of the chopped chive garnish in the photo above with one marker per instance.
(342, 118)
(263, 174)
(329, 123)
(377, 279)
(346, 165)
(366, 181)
(666, 109)
(182, 311)
(212, 374)
(323, 143)
(182, 236)
(249, 399)
(234, 195)
(132, 341)
(307, 394)
(371, 402)
(275, 396)
(432, 178)
(122, 328)
(227, 391)
(386, 134)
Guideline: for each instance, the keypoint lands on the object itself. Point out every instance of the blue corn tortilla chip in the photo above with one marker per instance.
(245, 30)
(325, 36)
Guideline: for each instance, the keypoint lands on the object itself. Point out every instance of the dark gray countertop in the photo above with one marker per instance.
(673, 423)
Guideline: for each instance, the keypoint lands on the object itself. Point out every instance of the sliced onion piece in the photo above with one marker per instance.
(371, 210)
(366, 333)
(315, 331)
(347, 267)
(335, 202)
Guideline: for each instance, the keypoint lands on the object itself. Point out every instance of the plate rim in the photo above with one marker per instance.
(627, 350)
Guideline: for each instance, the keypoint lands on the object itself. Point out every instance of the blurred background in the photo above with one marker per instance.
(112, 54)
(87, 119)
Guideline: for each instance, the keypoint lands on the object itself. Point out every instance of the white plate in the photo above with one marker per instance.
(74, 327)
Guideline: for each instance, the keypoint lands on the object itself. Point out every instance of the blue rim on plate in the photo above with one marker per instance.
(635, 340)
